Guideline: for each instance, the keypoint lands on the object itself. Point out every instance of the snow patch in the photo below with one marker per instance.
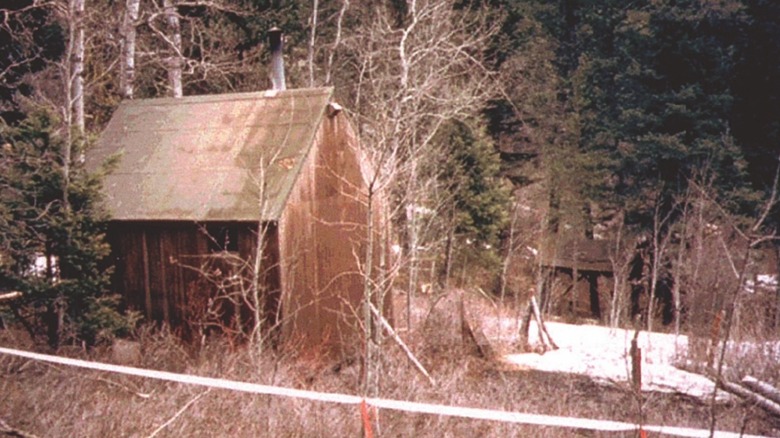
(603, 354)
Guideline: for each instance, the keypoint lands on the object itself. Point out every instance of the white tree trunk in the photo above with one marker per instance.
(127, 77)
(414, 243)
(313, 40)
(77, 65)
(371, 353)
(174, 62)
(339, 23)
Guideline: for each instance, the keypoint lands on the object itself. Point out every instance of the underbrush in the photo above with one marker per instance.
(48, 400)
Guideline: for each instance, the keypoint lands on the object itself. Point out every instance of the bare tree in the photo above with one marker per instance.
(127, 75)
(194, 43)
(336, 42)
(315, 10)
(69, 71)
(678, 265)
(174, 61)
(620, 257)
(17, 28)
(751, 239)
(405, 80)
(659, 243)
(77, 63)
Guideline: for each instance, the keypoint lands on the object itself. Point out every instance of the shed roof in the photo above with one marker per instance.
(582, 254)
(209, 158)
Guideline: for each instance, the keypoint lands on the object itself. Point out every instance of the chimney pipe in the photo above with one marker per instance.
(276, 43)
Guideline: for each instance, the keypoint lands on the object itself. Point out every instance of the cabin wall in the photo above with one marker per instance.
(178, 273)
(323, 236)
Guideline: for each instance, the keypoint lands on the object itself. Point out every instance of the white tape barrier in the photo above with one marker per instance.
(398, 405)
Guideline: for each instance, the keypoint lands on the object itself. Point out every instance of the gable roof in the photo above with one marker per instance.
(202, 158)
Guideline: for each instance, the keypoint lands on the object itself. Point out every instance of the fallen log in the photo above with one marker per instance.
(761, 401)
(769, 405)
(473, 335)
(762, 388)
(10, 296)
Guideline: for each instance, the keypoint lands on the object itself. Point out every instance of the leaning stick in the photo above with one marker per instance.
(542, 328)
(386, 325)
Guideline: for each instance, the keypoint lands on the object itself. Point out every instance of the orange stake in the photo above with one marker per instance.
(367, 431)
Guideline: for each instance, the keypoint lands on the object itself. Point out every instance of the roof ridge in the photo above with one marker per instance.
(222, 97)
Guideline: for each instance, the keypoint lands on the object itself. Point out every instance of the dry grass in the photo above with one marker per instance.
(57, 401)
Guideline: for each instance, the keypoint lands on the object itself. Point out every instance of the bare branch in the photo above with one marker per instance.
(770, 204)
(178, 413)
(6, 429)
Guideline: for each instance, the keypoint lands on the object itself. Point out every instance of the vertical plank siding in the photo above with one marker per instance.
(323, 241)
(165, 270)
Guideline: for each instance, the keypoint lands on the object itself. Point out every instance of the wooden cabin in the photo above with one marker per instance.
(202, 180)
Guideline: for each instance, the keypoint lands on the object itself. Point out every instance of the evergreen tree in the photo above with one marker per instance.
(52, 247)
(480, 199)
(673, 107)
(756, 88)
(647, 94)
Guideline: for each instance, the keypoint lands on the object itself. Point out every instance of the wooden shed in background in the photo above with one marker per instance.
(201, 180)
(578, 277)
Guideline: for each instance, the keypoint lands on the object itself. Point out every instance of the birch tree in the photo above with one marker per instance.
(315, 9)
(336, 41)
(127, 74)
(77, 63)
(174, 61)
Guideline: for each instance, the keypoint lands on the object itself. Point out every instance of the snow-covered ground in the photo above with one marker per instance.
(603, 353)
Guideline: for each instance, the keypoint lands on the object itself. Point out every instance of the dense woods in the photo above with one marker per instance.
(650, 123)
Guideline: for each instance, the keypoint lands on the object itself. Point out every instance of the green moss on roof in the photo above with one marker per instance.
(209, 158)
